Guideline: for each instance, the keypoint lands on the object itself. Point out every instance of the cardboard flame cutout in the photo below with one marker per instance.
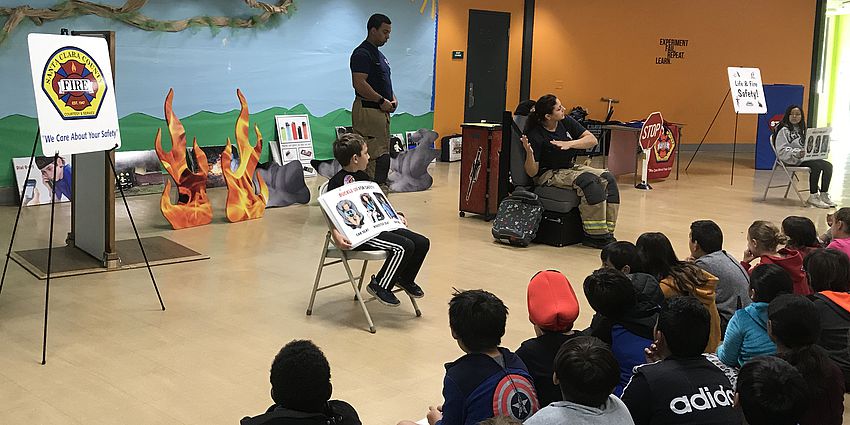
(193, 207)
(243, 201)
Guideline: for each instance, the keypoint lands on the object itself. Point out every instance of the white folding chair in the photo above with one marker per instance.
(344, 256)
(790, 172)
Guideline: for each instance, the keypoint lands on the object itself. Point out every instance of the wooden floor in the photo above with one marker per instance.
(113, 357)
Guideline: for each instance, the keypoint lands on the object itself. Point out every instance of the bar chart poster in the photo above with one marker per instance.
(296, 141)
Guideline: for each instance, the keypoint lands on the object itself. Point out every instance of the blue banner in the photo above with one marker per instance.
(779, 97)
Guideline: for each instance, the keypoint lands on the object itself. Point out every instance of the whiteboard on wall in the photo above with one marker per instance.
(747, 90)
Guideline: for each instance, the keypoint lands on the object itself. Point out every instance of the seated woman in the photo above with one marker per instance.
(552, 140)
(789, 139)
(677, 277)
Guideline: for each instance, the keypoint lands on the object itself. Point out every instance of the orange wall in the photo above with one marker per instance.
(451, 74)
(584, 50)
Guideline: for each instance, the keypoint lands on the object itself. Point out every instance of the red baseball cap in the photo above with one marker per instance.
(552, 303)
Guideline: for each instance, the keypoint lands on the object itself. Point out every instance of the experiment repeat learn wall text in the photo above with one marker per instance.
(297, 63)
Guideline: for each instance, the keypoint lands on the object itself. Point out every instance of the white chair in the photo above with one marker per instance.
(790, 172)
(344, 256)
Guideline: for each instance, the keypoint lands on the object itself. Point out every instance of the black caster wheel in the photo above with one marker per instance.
(462, 214)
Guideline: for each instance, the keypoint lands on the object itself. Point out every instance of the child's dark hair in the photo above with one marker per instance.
(800, 231)
(621, 254)
(828, 270)
(686, 325)
(658, 259)
(587, 371)
(542, 107)
(771, 392)
(524, 108)
(609, 292)
(301, 377)
(795, 324)
(477, 319)
(500, 420)
(708, 235)
(348, 145)
(769, 281)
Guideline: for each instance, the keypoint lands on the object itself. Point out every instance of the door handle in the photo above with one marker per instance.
(470, 102)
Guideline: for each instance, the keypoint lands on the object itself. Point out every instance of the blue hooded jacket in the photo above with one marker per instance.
(476, 387)
(746, 336)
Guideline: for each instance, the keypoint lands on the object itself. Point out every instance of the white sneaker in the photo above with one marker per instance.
(824, 197)
(815, 201)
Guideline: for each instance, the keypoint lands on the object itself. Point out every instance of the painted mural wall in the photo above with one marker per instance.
(296, 63)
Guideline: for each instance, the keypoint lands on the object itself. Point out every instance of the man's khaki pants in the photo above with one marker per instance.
(374, 125)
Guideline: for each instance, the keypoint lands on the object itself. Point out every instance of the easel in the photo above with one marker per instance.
(734, 138)
(748, 99)
(92, 209)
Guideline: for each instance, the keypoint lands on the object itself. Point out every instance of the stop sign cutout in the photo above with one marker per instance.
(652, 129)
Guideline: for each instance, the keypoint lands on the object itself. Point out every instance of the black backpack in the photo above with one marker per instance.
(518, 218)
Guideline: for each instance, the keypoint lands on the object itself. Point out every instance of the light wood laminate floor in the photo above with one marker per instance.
(113, 357)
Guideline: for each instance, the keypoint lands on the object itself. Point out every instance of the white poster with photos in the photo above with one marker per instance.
(360, 211)
(296, 141)
(817, 143)
(38, 187)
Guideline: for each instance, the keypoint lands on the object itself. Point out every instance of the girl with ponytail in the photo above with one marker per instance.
(763, 239)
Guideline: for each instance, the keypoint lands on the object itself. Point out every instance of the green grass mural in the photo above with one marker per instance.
(17, 132)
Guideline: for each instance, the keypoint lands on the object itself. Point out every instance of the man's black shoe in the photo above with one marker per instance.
(412, 289)
(597, 243)
(384, 296)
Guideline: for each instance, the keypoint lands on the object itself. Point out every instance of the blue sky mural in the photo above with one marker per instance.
(301, 58)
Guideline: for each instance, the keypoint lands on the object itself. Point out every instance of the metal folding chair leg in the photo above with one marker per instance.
(318, 276)
(769, 181)
(362, 276)
(790, 180)
(357, 295)
(793, 179)
(796, 189)
(415, 307)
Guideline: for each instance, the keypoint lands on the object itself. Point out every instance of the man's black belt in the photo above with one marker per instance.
(369, 104)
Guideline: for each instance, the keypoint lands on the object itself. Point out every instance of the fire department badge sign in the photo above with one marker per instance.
(74, 83)
(72, 79)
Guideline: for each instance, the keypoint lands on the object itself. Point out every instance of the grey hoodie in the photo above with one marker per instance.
(613, 412)
(789, 146)
(733, 283)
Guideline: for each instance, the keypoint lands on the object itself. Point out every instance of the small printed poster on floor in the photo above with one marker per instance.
(38, 187)
(296, 141)
(817, 143)
(360, 211)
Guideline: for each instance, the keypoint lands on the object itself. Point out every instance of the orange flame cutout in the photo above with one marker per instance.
(193, 207)
(243, 201)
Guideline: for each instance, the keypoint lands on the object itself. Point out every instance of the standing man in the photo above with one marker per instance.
(374, 98)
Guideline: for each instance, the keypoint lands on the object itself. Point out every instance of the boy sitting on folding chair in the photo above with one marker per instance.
(406, 250)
